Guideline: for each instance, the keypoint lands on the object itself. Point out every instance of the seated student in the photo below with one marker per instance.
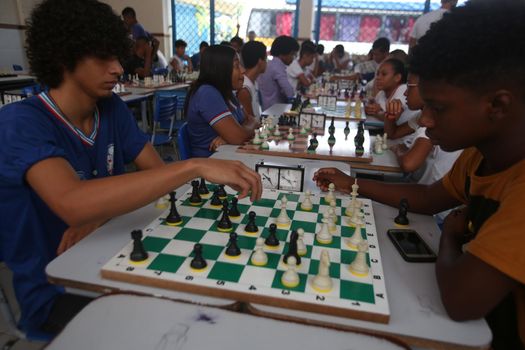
(237, 43)
(391, 83)
(318, 66)
(63, 154)
(177, 61)
(274, 84)
(137, 31)
(213, 113)
(140, 63)
(339, 58)
(254, 59)
(196, 59)
(296, 71)
(476, 104)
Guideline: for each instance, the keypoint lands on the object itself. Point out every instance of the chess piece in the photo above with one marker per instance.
(357, 108)
(256, 139)
(259, 257)
(234, 210)
(195, 198)
(332, 227)
(402, 218)
(162, 203)
(198, 262)
(293, 249)
(378, 145)
(225, 224)
(203, 189)
(276, 132)
(233, 249)
(324, 236)
(290, 136)
(251, 227)
(333, 206)
(307, 201)
(347, 130)
(215, 200)
(173, 218)
(385, 138)
(301, 247)
(265, 145)
(330, 196)
(331, 140)
(359, 266)
(290, 277)
(283, 220)
(322, 281)
(357, 237)
(311, 148)
(222, 192)
(315, 142)
(331, 128)
(272, 240)
(303, 131)
(138, 254)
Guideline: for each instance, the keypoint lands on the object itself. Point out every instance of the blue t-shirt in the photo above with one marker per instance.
(33, 130)
(138, 31)
(207, 107)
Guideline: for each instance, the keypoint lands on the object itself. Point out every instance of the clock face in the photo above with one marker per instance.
(318, 121)
(269, 177)
(303, 119)
(290, 179)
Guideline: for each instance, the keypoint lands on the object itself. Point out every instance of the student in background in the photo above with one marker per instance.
(423, 23)
(251, 35)
(237, 43)
(477, 104)
(177, 61)
(63, 154)
(296, 71)
(137, 31)
(255, 61)
(196, 59)
(213, 113)
(140, 62)
(274, 84)
(339, 58)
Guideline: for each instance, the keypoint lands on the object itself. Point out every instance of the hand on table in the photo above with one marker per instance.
(372, 108)
(74, 234)
(324, 176)
(216, 143)
(394, 109)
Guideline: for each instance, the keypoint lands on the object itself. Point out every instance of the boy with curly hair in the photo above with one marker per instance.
(63, 154)
(471, 72)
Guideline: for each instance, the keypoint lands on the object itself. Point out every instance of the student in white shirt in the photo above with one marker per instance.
(423, 23)
(296, 70)
(177, 61)
(254, 58)
(339, 58)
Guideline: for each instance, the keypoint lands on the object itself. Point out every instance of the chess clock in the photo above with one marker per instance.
(281, 177)
(315, 120)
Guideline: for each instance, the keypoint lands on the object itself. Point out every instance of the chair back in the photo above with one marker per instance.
(164, 111)
(183, 142)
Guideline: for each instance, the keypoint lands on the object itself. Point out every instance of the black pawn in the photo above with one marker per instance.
(315, 142)
(139, 253)
(173, 217)
(272, 239)
(215, 200)
(234, 210)
(292, 248)
(195, 198)
(311, 148)
(347, 129)
(225, 223)
(198, 261)
(233, 248)
(331, 128)
(203, 189)
(251, 226)
(402, 218)
(222, 192)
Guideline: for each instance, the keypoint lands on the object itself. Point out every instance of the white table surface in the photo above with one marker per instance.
(417, 314)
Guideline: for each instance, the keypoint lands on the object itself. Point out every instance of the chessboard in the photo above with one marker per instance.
(344, 148)
(353, 293)
(339, 111)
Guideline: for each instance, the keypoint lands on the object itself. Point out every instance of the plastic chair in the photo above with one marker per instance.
(183, 142)
(165, 107)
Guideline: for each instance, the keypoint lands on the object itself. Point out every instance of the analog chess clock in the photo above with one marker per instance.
(314, 120)
(281, 177)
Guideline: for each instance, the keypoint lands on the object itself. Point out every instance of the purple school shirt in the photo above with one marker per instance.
(274, 85)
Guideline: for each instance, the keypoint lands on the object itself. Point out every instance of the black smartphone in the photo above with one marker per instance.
(410, 245)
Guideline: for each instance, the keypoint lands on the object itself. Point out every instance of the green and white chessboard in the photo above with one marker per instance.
(170, 253)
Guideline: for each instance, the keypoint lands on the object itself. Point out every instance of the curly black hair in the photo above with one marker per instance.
(284, 45)
(62, 32)
(478, 46)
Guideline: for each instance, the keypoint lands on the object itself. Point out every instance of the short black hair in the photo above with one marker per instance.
(180, 43)
(237, 40)
(478, 46)
(399, 68)
(252, 52)
(225, 43)
(129, 12)
(320, 49)
(339, 49)
(307, 47)
(284, 45)
(216, 69)
(62, 32)
(203, 44)
(382, 44)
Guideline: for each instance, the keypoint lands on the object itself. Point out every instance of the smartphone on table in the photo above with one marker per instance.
(411, 246)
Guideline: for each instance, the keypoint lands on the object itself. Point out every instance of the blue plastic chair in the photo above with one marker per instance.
(164, 111)
(183, 142)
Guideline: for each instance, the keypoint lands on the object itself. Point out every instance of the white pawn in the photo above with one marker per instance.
(276, 132)
(324, 236)
(162, 202)
(290, 277)
(301, 247)
(283, 220)
(333, 206)
(265, 144)
(322, 281)
(290, 135)
(356, 214)
(355, 188)
(332, 227)
(385, 138)
(256, 139)
(259, 257)
(330, 196)
(356, 239)
(359, 267)
(307, 202)
(303, 130)
(378, 145)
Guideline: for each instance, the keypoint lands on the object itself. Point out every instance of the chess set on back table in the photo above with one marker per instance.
(304, 251)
